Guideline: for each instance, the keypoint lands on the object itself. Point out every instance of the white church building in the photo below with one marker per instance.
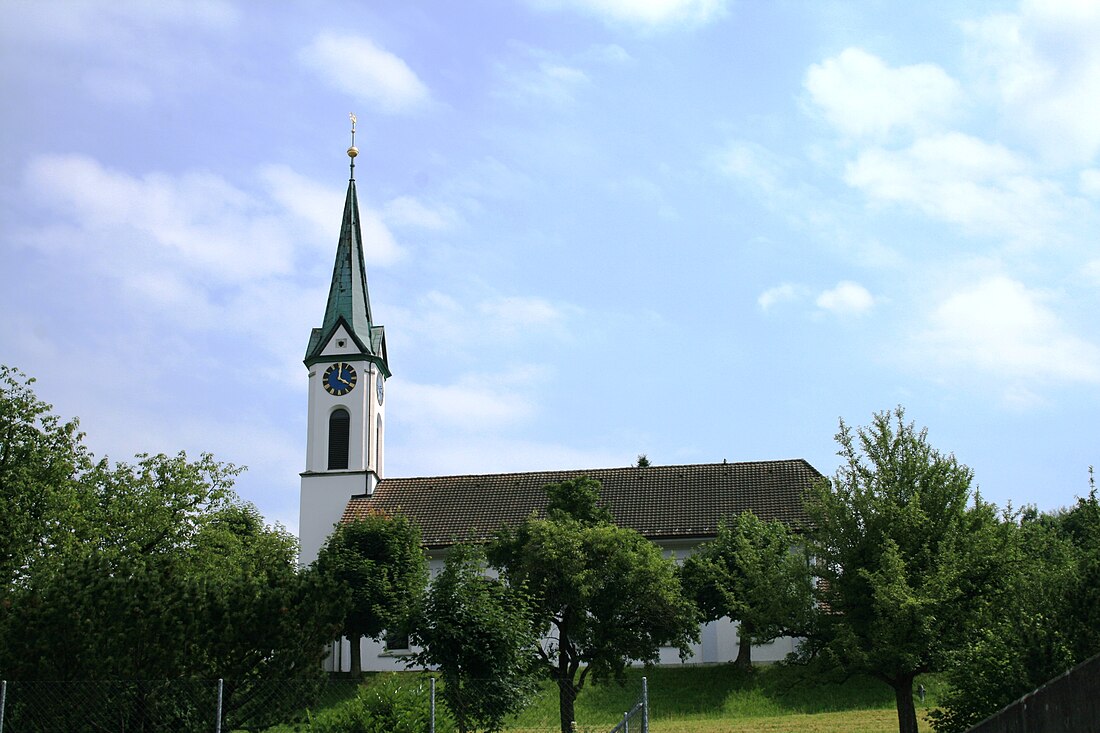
(676, 507)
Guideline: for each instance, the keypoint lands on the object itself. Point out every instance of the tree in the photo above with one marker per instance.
(602, 595)
(1048, 621)
(476, 631)
(378, 564)
(908, 556)
(150, 570)
(40, 457)
(752, 574)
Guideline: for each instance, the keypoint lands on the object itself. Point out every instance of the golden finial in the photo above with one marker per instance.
(352, 151)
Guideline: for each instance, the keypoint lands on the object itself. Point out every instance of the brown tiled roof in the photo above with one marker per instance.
(660, 502)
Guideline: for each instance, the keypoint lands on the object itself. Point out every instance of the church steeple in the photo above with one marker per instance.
(347, 365)
(348, 296)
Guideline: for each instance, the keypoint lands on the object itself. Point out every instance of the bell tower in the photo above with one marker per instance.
(347, 366)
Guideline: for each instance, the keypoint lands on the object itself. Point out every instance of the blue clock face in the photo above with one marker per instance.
(339, 379)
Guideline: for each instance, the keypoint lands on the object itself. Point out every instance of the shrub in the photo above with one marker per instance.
(393, 704)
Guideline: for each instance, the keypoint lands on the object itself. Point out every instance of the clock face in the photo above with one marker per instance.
(381, 388)
(339, 379)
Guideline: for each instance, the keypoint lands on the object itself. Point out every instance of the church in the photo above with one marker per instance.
(675, 507)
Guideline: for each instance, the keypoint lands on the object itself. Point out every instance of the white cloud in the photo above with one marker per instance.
(1002, 328)
(192, 248)
(644, 13)
(846, 299)
(356, 66)
(752, 163)
(475, 402)
(1090, 182)
(443, 321)
(550, 82)
(321, 206)
(862, 97)
(963, 180)
(91, 22)
(197, 222)
(1045, 65)
(779, 294)
(406, 211)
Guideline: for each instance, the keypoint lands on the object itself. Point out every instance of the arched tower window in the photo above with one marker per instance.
(339, 439)
(378, 446)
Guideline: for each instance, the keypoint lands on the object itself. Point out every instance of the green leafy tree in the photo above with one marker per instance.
(1048, 621)
(40, 458)
(477, 632)
(751, 573)
(150, 570)
(602, 595)
(909, 556)
(378, 564)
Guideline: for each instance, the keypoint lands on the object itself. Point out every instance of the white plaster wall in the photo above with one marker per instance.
(323, 498)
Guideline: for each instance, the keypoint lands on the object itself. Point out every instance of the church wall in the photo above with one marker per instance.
(324, 497)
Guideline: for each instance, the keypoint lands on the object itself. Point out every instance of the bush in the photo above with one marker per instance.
(393, 704)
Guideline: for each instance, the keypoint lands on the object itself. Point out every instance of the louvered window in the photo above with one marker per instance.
(339, 439)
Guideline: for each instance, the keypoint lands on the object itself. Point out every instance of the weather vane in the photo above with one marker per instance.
(352, 151)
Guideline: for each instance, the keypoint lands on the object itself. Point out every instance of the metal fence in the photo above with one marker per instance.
(144, 706)
(1069, 702)
(251, 706)
(639, 711)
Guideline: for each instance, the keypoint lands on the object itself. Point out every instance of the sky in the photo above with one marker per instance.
(701, 230)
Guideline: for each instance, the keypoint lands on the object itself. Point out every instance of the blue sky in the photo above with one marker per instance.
(695, 229)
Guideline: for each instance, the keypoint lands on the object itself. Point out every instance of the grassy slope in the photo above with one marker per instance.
(717, 699)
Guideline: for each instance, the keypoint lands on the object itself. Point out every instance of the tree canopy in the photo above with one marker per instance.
(908, 555)
(146, 570)
(753, 573)
(381, 570)
(476, 631)
(1047, 621)
(601, 595)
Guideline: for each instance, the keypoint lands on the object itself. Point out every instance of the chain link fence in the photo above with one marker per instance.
(263, 706)
(183, 705)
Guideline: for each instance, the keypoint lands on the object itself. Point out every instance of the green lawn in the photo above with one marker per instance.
(718, 699)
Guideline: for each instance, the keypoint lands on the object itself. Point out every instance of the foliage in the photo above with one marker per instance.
(381, 571)
(40, 458)
(752, 573)
(602, 594)
(576, 500)
(910, 559)
(476, 631)
(642, 461)
(396, 704)
(150, 570)
(1045, 625)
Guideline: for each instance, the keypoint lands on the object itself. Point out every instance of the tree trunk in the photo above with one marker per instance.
(356, 655)
(567, 695)
(744, 649)
(907, 713)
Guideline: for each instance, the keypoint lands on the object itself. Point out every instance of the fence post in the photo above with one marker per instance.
(431, 724)
(645, 706)
(3, 700)
(218, 722)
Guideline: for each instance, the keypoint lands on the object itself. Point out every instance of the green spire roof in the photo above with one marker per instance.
(348, 300)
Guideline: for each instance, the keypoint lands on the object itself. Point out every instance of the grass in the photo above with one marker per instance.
(720, 699)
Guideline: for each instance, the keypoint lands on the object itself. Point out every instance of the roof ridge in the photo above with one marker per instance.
(802, 461)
